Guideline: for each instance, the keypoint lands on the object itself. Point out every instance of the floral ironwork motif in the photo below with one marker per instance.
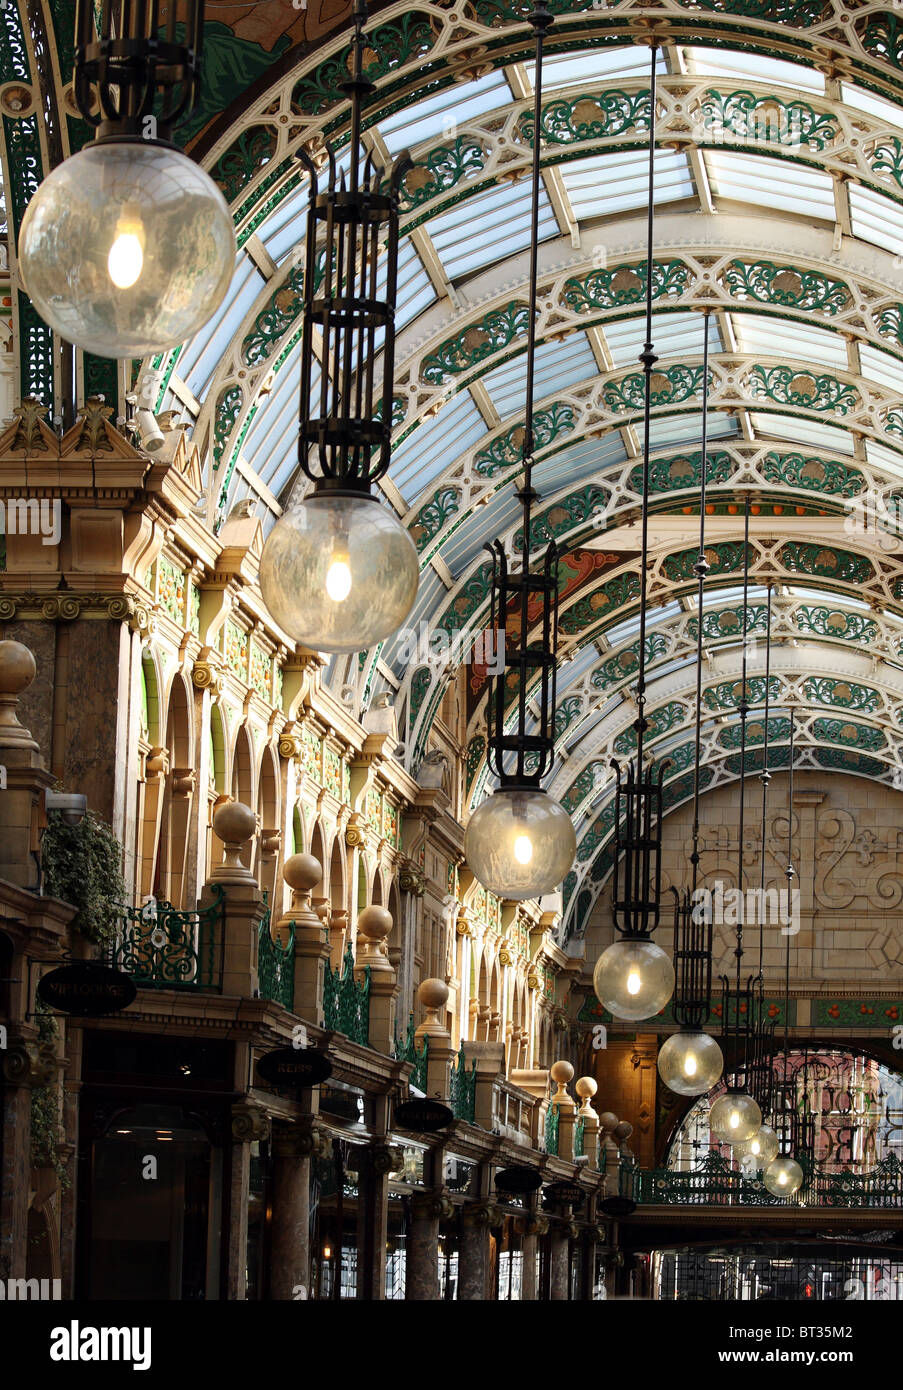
(850, 735)
(240, 162)
(346, 1001)
(806, 390)
(477, 341)
(163, 947)
(825, 690)
(228, 409)
(728, 694)
(816, 475)
(785, 284)
(827, 622)
(275, 962)
(670, 387)
(389, 46)
(681, 471)
(827, 561)
(589, 116)
(614, 593)
(548, 424)
(767, 118)
(442, 168)
(624, 284)
(730, 622)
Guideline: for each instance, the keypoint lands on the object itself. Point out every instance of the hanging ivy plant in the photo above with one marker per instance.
(45, 1107)
(83, 865)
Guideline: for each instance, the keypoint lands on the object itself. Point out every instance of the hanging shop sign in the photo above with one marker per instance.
(425, 1116)
(517, 1180)
(86, 989)
(618, 1206)
(569, 1192)
(295, 1068)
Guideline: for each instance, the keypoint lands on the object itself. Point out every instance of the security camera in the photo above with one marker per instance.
(150, 435)
(72, 806)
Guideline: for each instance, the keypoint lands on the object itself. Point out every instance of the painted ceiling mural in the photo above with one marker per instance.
(779, 182)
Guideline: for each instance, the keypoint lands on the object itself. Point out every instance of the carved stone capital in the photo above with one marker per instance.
(301, 1139)
(431, 1206)
(28, 1064)
(207, 675)
(250, 1122)
(485, 1215)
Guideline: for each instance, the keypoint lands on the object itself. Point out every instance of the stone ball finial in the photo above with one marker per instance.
(561, 1073)
(17, 668)
(234, 822)
(374, 923)
(623, 1131)
(585, 1087)
(433, 994)
(302, 872)
(608, 1120)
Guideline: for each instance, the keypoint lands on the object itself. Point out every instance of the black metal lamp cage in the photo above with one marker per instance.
(348, 222)
(131, 64)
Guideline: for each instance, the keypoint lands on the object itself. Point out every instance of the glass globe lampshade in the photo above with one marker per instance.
(520, 843)
(339, 572)
(761, 1148)
(127, 248)
(690, 1063)
(735, 1117)
(633, 978)
(783, 1177)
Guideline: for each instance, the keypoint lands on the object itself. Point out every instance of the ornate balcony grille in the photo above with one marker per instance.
(462, 1089)
(551, 1131)
(275, 963)
(346, 1001)
(714, 1183)
(165, 947)
(408, 1051)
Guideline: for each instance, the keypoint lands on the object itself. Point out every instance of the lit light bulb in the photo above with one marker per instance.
(634, 983)
(126, 259)
(782, 1178)
(523, 849)
(690, 1067)
(338, 578)
(755, 1147)
(733, 1119)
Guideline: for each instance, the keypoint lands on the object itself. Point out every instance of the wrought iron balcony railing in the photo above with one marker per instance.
(551, 1130)
(346, 1001)
(462, 1089)
(165, 947)
(408, 1051)
(275, 962)
(715, 1184)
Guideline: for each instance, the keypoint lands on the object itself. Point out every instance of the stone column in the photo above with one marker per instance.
(250, 1122)
(609, 1156)
(234, 824)
(422, 1251)
(23, 1068)
(433, 995)
(561, 1073)
(473, 1252)
(534, 1226)
(559, 1246)
(373, 927)
(290, 1240)
(302, 872)
(586, 1088)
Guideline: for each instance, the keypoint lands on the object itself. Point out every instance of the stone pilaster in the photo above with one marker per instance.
(422, 1262)
(293, 1146)
(250, 1122)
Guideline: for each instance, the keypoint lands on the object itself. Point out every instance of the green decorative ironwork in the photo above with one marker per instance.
(827, 622)
(462, 1089)
(408, 1051)
(389, 46)
(588, 117)
(235, 168)
(420, 684)
(804, 13)
(579, 1137)
(627, 661)
(102, 379)
(886, 157)
(802, 558)
(755, 760)
(806, 390)
(785, 284)
(275, 962)
(475, 750)
(889, 322)
(581, 786)
(881, 35)
(671, 387)
(431, 518)
(817, 475)
(228, 409)
(848, 694)
(470, 597)
(730, 622)
(715, 1183)
(729, 116)
(624, 284)
(598, 831)
(494, 331)
(660, 721)
(551, 1130)
(585, 505)
(675, 760)
(613, 594)
(893, 421)
(850, 760)
(567, 711)
(548, 424)
(442, 168)
(778, 730)
(723, 559)
(164, 947)
(681, 471)
(274, 319)
(728, 694)
(346, 1001)
(850, 735)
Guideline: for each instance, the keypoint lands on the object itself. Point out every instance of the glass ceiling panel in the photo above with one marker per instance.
(668, 430)
(798, 342)
(271, 444)
(415, 288)
(287, 223)
(472, 235)
(876, 218)
(874, 105)
(438, 115)
(622, 631)
(617, 182)
(590, 69)
(203, 354)
(714, 599)
(808, 432)
(879, 456)
(772, 183)
(558, 365)
(570, 467)
(794, 591)
(881, 367)
(724, 62)
(434, 445)
(673, 335)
